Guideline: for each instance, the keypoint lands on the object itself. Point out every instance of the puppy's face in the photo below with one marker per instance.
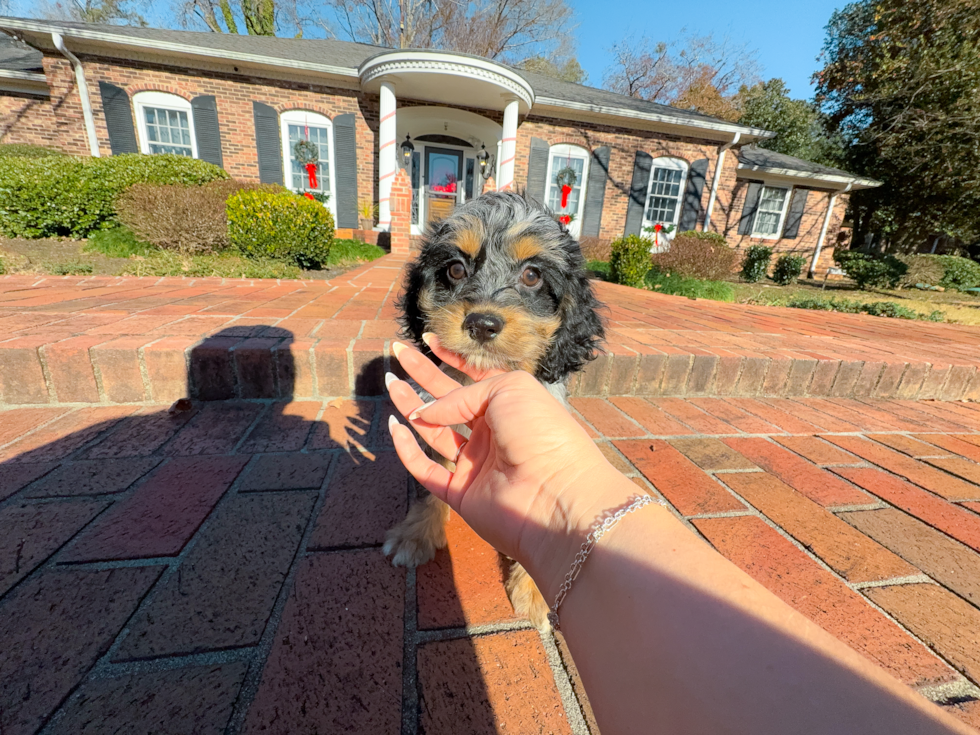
(501, 283)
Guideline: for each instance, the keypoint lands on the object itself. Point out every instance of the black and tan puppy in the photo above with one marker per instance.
(503, 284)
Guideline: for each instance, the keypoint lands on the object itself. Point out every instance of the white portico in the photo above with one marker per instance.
(444, 158)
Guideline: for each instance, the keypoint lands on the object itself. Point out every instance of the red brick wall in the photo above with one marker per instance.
(806, 240)
(623, 144)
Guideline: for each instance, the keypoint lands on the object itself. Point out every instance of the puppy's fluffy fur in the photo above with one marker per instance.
(502, 257)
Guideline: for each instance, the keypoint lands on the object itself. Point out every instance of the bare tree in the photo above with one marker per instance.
(695, 72)
(258, 17)
(116, 12)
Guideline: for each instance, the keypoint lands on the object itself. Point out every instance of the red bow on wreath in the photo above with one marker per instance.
(565, 191)
(565, 219)
(311, 174)
(309, 196)
(657, 227)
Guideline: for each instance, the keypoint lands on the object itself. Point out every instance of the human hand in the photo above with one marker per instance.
(529, 480)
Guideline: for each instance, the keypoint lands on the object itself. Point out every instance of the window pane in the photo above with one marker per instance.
(168, 131)
(298, 175)
(558, 162)
(770, 210)
(665, 189)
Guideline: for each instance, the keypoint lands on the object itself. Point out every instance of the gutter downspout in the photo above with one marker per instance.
(93, 141)
(823, 229)
(716, 179)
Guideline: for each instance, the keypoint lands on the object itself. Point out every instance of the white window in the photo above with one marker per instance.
(769, 216)
(300, 125)
(668, 177)
(165, 123)
(577, 159)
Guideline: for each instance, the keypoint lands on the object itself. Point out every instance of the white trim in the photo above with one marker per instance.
(301, 117)
(24, 82)
(161, 101)
(782, 213)
(567, 150)
(670, 163)
(856, 182)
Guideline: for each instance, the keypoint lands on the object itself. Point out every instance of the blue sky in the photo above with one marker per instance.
(788, 34)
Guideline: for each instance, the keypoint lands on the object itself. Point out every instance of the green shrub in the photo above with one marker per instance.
(629, 261)
(697, 257)
(959, 273)
(715, 238)
(755, 264)
(3, 268)
(787, 269)
(871, 271)
(119, 242)
(24, 150)
(348, 252)
(68, 196)
(69, 269)
(693, 288)
(188, 219)
(600, 269)
(281, 226)
(875, 308)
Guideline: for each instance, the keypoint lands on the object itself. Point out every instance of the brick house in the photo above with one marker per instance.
(450, 121)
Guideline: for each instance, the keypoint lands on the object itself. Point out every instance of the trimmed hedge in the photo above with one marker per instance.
(630, 261)
(25, 150)
(787, 269)
(67, 196)
(755, 264)
(280, 225)
(870, 271)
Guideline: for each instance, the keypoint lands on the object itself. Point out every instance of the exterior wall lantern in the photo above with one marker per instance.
(486, 162)
(407, 150)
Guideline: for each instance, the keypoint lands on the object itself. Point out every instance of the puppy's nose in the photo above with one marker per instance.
(483, 327)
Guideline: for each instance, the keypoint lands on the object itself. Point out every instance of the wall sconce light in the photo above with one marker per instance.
(407, 150)
(486, 162)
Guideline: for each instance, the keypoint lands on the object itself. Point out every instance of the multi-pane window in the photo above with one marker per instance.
(168, 131)
(769, 216)
(665, 195)
(300, 178)
(576, 158)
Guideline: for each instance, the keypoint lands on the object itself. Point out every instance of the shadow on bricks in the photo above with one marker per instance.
(216, 566)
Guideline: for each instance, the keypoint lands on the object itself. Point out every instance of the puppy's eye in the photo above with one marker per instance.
(531, 277)
(457, 271)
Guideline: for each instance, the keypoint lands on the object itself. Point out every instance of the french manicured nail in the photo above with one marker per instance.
(396, 348)
(392, 423)
(389, 379)
(427, 337)
(415, 414)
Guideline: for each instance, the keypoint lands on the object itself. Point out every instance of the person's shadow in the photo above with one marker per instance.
(215, 566)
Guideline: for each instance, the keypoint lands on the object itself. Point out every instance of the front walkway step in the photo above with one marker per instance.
(134, 340)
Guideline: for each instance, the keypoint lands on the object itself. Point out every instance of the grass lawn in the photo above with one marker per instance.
(956, 307)
(117, 253)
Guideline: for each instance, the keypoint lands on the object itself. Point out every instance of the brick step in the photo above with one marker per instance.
(268, 362)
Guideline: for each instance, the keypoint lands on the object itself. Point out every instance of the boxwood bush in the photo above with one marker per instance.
(787, 269)
(25, 150)
(959, 273)
(755, 263)
(630, 261)
(280, 225)
(871, 271)
(68, 196)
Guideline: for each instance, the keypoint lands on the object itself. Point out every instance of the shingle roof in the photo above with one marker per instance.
(17, 56)
(752, 156)
(348, 55)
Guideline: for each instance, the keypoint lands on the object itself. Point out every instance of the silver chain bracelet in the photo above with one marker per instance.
(590, 543)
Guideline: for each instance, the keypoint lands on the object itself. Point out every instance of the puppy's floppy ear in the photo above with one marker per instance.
(578, 338)
(412, 319)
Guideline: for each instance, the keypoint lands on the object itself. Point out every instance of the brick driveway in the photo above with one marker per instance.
(219, 569)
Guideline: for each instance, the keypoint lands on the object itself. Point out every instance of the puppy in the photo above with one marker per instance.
(503, 284)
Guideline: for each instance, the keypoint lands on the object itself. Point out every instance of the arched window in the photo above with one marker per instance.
(165, 124)
(668, 177)
(561, 157)
(300, 125)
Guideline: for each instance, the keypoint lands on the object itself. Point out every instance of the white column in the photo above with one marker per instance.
(387, 162)
(508, 147)
(823, 233)
(716, 179)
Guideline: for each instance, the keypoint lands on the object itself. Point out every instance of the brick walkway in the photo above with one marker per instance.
(219, 569)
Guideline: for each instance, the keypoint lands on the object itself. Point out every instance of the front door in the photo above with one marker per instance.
(443, 180)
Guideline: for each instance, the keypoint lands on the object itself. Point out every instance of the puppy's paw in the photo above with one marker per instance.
(527, 599)
(412, 544)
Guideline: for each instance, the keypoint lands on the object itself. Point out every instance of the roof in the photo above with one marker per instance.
(754, 158)
(344, 57)
(18, 56)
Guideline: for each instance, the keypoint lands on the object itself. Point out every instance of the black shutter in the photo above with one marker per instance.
(638, 193)
(595, 192)
(267, 143)
(748, 210)
(345, 168)
(205, 110)
(795, 215)
(692, 195)
(537, 170)
(118, 119)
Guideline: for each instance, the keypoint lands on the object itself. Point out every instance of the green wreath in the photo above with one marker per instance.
(566, 177)
(306, 151)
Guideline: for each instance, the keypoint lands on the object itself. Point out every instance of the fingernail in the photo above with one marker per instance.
(396, 348)
(389, 379)
(392, 423)
(427, 337)
(415, 414)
